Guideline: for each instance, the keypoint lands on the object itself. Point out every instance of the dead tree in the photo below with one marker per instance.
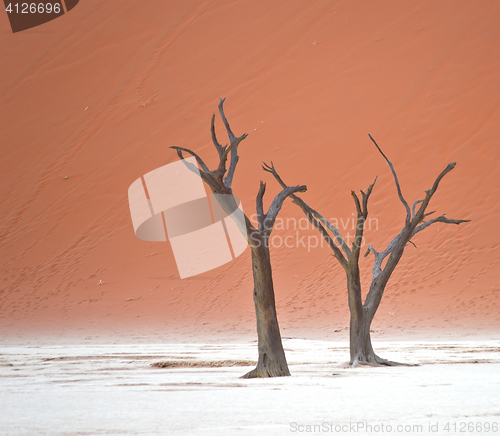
(272, 360)
(362, 313)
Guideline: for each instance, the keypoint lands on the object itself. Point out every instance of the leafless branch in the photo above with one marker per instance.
(439, 219)
(219, 147)
(260, 206)
(366, 196)
(357, 203)
(192, 153)
(362, 213)
(413, 207)
(272, 170)
(329, 240)
(218, 180)
(428, 194)
(405, 204)
(224, 120)
(334, 230)
(206, 175)
(312, 215)
(228, 180)
(233, 149)
(448, 168)
(277, 203)
(379, 257)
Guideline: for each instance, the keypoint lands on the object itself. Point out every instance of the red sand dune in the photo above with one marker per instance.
(100, 94)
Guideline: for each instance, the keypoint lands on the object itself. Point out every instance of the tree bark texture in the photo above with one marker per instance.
(272, 360)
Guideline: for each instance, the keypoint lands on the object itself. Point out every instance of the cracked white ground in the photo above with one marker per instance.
(114, 390)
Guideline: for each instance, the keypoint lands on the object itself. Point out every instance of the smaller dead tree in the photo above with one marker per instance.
(272, 361)
(362, 313)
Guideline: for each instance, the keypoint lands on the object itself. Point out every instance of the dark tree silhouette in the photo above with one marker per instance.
(362, 313)
(272, 360)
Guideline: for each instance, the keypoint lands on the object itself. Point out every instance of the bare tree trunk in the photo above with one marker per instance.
(360, 341)
(272, 360)
(361, 349)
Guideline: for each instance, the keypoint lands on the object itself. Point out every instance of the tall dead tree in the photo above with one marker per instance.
(272, 360)
(362, 313)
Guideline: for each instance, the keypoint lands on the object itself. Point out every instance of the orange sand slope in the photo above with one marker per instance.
(92, 100)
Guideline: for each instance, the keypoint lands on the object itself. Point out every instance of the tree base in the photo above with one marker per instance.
(376, 361)
(261, 371)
